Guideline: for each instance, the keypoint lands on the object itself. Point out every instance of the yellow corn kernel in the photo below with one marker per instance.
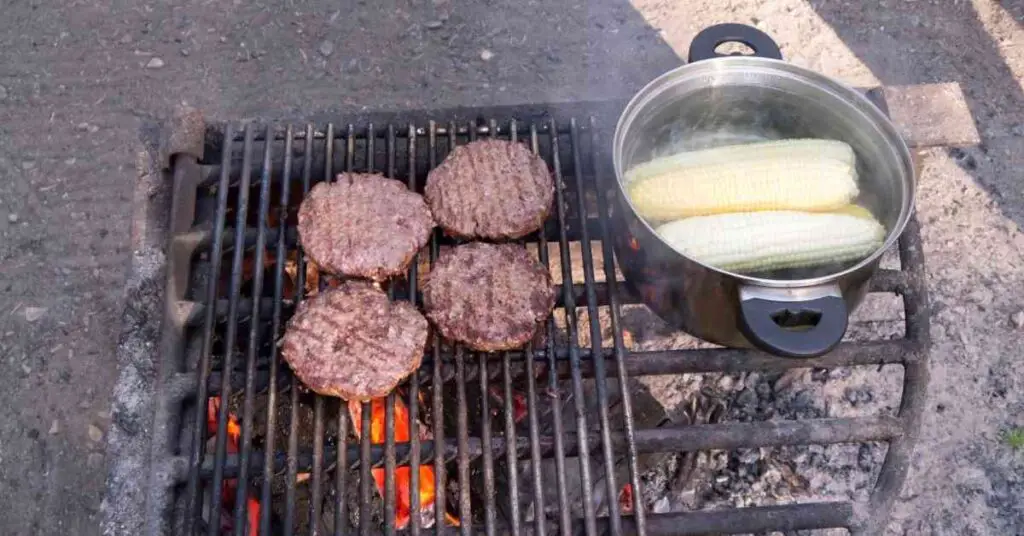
(794, 148)
(855, 210)
(772, 240)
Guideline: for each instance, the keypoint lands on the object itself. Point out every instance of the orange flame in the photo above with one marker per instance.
(234, 430)
(403, 474)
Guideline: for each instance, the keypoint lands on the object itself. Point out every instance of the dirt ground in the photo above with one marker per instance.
(78, 78)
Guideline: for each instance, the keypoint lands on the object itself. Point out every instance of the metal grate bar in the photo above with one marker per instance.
(639, 516)
(414, 386)
(389, 403)
(550, 229)
(593, 314)
(365, 480)
(341, 522)
(220, 444)
(696, 361)
(440, 472)
(341, 473)
(241, 495)
(885, 280)
(363, 132)
(316, 476)
(571, 331)
(275, 360)
(721, 436)
(462, 414)
(488, 453)
(565, 521)
(293, 423)
(485, 416)
(511, 460)
(465, 502)
(757, 519)
(194, 492)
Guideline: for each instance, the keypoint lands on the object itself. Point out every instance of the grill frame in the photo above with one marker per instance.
(173, 466)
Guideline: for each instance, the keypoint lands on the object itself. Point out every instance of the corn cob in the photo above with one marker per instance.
(772, 240)
(820, 148)
(752, 178)
(855, 210)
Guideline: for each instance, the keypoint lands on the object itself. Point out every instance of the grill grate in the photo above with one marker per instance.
(239, 237)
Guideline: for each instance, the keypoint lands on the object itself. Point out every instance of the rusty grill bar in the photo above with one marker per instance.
(235, 309)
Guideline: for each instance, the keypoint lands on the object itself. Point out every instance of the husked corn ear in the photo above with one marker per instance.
(794, 148)
(772, 240)
(756, 178)
(855, 210)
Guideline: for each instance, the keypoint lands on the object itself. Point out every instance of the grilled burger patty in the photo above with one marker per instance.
(352, 342)
(490, 189)
(363, 225)
(489, 296)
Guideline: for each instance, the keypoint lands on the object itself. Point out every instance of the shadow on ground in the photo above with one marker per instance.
(912, 43)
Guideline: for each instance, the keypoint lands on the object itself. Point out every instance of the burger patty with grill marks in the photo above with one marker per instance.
(354, 343)
(489, 296)
(491, 189)
(363, 225)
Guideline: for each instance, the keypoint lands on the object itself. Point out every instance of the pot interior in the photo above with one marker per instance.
(725, 102)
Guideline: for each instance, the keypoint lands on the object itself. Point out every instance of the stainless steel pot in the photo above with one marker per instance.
(717, 100)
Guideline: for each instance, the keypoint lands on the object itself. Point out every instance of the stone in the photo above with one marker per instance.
(34, 313)
(1017, 319)
(865, 460)
(326, 48)
(95, 434)
(55, 427)
(932, 114)
(486, 55)
(155, 63)
(12, 217)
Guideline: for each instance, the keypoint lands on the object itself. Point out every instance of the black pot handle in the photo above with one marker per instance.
(703, 46)
(758, 322)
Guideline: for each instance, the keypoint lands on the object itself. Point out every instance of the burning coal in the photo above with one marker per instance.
(403, 474)
(230, 488)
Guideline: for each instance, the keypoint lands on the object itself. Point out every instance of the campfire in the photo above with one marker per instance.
(533, 431)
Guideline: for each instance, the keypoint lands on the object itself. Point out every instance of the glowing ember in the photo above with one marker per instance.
(519, 408)
(291, 267)
(403, 474)
(626, 499)
(227, 496)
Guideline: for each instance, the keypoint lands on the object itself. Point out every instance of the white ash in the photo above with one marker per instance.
(767, 476)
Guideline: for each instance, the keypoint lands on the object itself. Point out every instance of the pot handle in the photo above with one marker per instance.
(703, 46)
(793, 328)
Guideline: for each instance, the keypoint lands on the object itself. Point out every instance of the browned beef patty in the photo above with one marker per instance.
(490, 189)
(489, 296)
(352, 342)
(363, 225)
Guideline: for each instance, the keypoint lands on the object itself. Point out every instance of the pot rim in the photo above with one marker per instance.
(870, 113)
